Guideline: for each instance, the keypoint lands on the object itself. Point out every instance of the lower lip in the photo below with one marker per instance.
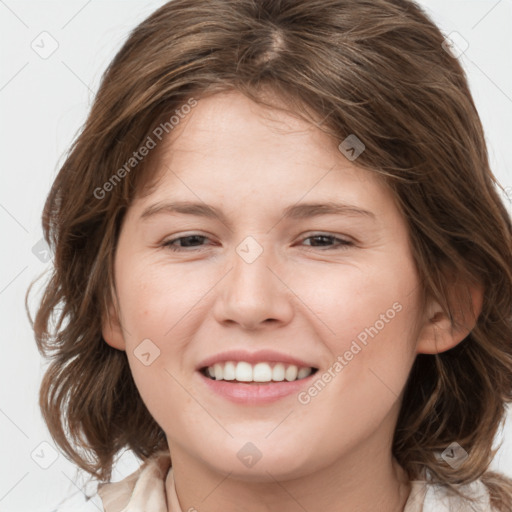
(251, 393)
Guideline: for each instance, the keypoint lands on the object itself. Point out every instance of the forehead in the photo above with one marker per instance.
(229, 124)
(229, 149)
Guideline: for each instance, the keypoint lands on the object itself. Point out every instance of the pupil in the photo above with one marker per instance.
(188, 238)
(323, 238)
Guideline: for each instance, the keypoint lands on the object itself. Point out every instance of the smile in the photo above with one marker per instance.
(242, 371)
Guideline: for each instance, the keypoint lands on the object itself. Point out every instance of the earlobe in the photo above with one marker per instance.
(111, 329)
(438, 334)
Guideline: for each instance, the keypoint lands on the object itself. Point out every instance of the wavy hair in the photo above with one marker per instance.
(374, 68)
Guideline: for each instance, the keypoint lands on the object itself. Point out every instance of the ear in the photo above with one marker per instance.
(438, 333)
(111, 326)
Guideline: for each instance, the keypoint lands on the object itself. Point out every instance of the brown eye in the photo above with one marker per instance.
(327, 241)
(187, 242)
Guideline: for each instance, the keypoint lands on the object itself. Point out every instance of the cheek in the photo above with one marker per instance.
(155, 301)
(349, 301)
(366, 318)
(161, 308)
(154, 297)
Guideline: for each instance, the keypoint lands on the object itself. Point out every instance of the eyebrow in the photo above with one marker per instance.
(296, 211)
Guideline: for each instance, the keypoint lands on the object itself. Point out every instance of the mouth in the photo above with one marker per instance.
(242, 372)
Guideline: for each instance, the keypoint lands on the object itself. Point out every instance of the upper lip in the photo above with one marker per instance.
(260, 356)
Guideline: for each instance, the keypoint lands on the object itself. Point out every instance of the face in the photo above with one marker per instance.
(255, 272)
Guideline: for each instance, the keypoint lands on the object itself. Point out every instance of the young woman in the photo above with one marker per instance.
(283, 271)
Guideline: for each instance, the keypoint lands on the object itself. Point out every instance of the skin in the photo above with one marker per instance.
(304, 300)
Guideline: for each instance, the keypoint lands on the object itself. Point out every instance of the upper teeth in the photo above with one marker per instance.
(259, 372)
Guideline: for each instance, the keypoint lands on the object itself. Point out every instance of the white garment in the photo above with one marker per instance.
(425, 497)
(144, 491)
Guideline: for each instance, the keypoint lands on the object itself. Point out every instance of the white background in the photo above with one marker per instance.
(44, 102)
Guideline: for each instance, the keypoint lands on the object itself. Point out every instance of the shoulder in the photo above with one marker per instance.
(434, 497)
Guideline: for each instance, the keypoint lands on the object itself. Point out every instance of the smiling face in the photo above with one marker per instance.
(257, 270)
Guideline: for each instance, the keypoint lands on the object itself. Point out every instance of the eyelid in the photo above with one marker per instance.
(169, 241)
(339, 243)
(337, 236)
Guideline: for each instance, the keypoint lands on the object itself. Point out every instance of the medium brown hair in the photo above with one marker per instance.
(373, 68)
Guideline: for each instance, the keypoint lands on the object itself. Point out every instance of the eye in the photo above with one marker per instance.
(329, 240)
(190, 241)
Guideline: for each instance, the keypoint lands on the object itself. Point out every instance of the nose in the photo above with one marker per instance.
(253, 294)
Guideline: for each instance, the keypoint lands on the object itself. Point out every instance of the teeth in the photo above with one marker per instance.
(278, 372)
(243, 372)
(217, 368)
(260, 372)
(291, 372)
(229, 372)
(303, 372)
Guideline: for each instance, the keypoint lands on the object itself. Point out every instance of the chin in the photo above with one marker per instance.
(259, 462)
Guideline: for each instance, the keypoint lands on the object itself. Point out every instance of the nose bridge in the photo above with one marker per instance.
(250, 275)
(251, 293)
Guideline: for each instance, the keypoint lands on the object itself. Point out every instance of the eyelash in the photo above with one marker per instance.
(342, 244)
